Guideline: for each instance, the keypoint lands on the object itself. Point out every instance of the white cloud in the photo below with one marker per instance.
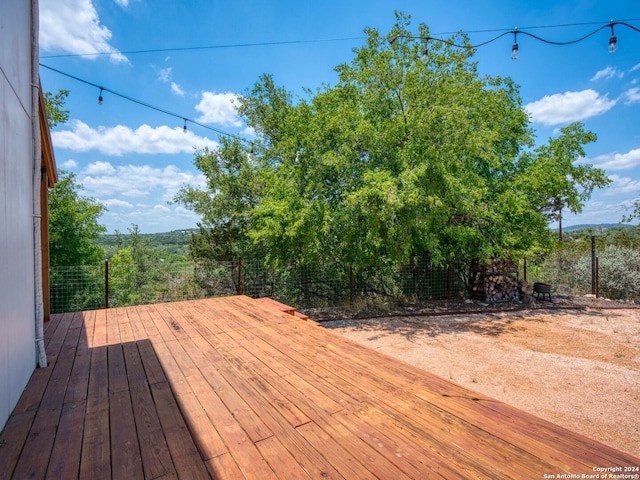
(622, 185)
(115, 203)
(137, 181)
(568, 107)
(99, 168)
(635, 67)
(164, 74)
(607, 73)
(120, 140)
(632, 96)
(122, 3)
(175, 88)
(139, 194)
(150, 219)
(73, 26)
(249, 132)
(218, 108)
(70, 164)
(161, 209)
(618, 161)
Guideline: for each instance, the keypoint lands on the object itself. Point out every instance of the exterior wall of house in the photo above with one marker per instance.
(17, 310)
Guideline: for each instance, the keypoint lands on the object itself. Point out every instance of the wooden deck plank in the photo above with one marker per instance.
(125, 327)
(306, 456)
(346, 465)
(476, 408)
(13, 438)
(392, 397)
(224, 467)
(111, 325)
(243, 414)
(125, 449)
(51, 326)
(138, 331)
(146, 316)
(300, 377)
(33, 460)
(96, 451)
(65, 456)
(99, 337)
(116, 369)
(232, 388)
(242, 449)
(36, 388)
(412, 457)
(390, 388)
(283, 464)
(99, 373)
(184, 453)
(154, 451)
(208, 440)
(260, 379)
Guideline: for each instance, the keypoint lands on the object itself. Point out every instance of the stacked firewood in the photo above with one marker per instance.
(496, 282)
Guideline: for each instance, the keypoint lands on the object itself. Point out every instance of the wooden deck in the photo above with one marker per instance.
(233, 388)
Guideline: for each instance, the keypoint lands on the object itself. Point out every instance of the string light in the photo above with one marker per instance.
(148, 105)
(425, 53)
(613, 42)
(612, 47)
(293, 42)
(514, 48)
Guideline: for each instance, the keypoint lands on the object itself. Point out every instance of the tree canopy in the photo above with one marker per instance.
(399, 158)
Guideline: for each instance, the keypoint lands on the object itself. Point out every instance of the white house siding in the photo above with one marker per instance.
(17, 311)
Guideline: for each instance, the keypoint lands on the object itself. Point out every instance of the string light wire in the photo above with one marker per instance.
(153, 107)
(326, 40)
(515, 32)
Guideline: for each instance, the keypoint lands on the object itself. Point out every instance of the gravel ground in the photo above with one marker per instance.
(575, 362)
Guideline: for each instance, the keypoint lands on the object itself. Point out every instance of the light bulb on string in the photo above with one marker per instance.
(613, 41)
(514, 47)
(184, 129)
(100, 96)
(425, 53)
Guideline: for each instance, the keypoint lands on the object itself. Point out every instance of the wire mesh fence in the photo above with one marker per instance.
(76, 288)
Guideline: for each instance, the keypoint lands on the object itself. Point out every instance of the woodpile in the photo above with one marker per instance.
(496, 282)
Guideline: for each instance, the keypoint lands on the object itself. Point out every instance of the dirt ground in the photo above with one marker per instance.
(570, 363)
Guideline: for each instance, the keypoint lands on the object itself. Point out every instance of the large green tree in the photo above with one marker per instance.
(398, 159)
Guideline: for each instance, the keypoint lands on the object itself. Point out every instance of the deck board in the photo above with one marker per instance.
(236, 388)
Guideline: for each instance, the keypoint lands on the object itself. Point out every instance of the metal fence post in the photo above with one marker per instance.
(597, 278)
(106, 284)
(239, 284)
(351, 284)
(593, 264)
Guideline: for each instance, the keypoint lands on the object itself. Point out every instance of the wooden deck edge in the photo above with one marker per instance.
(281, 307)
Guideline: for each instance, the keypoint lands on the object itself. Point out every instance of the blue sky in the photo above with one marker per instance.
(134, 159)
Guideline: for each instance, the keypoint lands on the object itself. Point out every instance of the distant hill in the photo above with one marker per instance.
(174, 242)
(599, 226)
